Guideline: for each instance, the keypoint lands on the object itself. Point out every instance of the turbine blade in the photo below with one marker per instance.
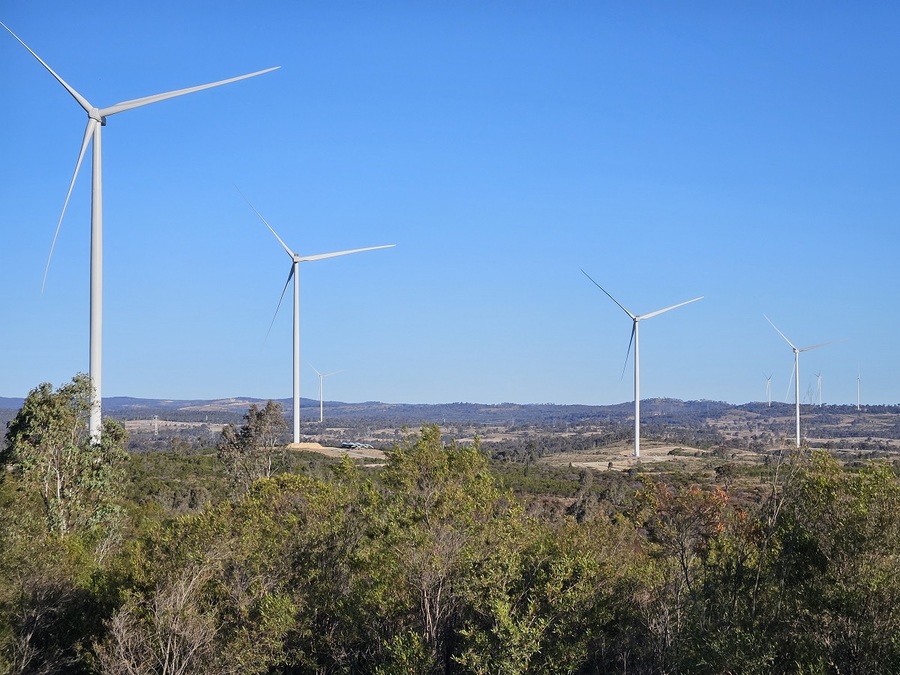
(790, 382)
(334, 372)
(628, 352)
(609, 296)
(283, 291)
(82, 101)
(821, 344)
(308, 363)
(321, 256)
(271, 229)
(88, 134)
(156, 98)
(660, 311)
(779, 332)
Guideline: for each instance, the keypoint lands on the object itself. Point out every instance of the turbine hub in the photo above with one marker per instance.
(95, 115)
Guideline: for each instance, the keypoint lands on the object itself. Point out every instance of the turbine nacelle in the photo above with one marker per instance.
(96, 115)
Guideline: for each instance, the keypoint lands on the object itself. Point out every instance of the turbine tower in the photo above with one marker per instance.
(819, 387)
(796, 372)
(322, 390)
(294, 274)
(97, 118)
(769, 390)
(857, 389)
(635, 337)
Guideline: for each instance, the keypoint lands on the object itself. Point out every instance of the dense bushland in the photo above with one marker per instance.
(431, 564)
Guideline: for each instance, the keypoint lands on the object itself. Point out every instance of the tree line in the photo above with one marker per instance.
(430, 564)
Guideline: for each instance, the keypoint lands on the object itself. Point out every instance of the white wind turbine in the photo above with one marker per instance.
(635, 337)
(796, 372)
(819, 387)
(857, 389)
(296, 259)
(769, 390)
(96, 121)
(322, 377)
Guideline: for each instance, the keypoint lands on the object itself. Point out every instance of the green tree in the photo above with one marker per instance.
(263, 583)
(442, 506)
(59, 521)
(256, 449)
(49, 446)
(840, 562)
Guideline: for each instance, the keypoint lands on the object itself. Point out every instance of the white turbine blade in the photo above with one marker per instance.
(334, 372)
(779, 332)
(628, 352)
(271, 229)
(821, 344)
(156, 98)
(88, 134)
(608, 295)
(311, 365)
(82, 101)
(790, 382)
(283, 291)
(667, 309)
(321, 256)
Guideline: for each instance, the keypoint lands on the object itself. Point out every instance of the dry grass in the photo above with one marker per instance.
(356, 453)
(621, 456)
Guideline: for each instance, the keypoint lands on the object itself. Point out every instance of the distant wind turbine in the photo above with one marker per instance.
(796, 373)
(769, 390)
(819, 387)
(96, 121)
(294, 274)
(322, 377)
(635, 337)
(857, 389)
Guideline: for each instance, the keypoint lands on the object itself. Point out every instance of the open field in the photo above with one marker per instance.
(621, 457)
(328, 451)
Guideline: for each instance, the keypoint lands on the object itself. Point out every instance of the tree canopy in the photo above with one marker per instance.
(431, 564)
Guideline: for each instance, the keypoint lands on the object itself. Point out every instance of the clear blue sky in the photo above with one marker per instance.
(744, 152)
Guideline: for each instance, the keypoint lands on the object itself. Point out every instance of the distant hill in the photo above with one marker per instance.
(712, 422)
(11, 403)
(128, 407)
(230, 410)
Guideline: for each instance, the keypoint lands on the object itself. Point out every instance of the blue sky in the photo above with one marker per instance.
(746, 153)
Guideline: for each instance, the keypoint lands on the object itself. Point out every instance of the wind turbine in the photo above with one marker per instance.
(294, 274)
(796, 372)
(857, 389)
(322, 390)
(635, 337)
(819, 387)
(769, 390)
(96, 121)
